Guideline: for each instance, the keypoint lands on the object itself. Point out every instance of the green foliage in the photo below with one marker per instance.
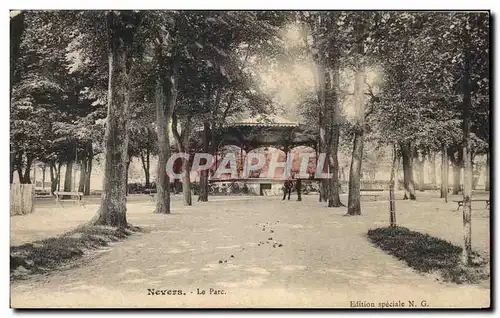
(61, 93)
(423, 68)
(53, 105)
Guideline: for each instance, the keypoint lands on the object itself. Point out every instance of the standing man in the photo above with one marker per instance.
(287, 189)
(298, 188)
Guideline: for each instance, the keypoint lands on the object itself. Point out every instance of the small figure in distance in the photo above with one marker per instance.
(298, 188)
(287, 188)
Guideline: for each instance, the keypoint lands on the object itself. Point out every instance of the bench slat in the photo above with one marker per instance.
(68, 193)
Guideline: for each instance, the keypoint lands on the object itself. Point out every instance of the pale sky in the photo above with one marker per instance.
(288, 83)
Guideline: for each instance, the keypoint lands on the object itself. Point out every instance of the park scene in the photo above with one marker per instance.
(249, 159)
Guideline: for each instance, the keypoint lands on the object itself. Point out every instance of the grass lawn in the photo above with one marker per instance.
(426, 254)
(49, 254)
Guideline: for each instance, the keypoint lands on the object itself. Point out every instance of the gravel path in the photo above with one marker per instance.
(259, 252)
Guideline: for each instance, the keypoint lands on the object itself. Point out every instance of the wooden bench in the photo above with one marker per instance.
(60, 194)
(460, 203)
(150, 192)
(374, 196)
(43, 194)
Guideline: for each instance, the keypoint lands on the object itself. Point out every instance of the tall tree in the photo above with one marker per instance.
(469, 23)
(165, 100)
(354, 200)
(321, 37)
(120, 31)
(182, 141)
(17, 27)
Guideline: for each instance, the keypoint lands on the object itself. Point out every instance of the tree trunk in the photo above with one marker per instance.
(333, 182)
(17, 26)
(68, 176)
(442, 188)
(396, 173)
(44, 167)
(145, 166)
(53, 178)
(457, 172)
(334, 188)
(323, 190)
(203, 196)
(27, 171)
(487, 172)
(20, 174)
(327, 83)
(323, 118)
(409, 183)
(113, 210)
(432, 175)
(476, 173)
(90, 158)
(148, 167)
(323, 194)
(163, 180)
(59, 164)
(12, 174)
(467, 157)
(12, 166)
(148, 178)
(354, 200)
(19, 166)
(444, 174)
(421, 178)
(182, 141)
(333, 140)
(83, 174)
(186, 183)
(126, 177)
(165, 104)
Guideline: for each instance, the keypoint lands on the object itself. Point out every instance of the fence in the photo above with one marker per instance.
(21, 198)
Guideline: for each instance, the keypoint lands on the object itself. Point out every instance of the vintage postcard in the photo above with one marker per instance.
(250, 159)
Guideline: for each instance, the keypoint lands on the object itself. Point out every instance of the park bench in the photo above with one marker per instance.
(374, 196)
(42, 193)
(77, 197)
(460, 203)
(150, 192)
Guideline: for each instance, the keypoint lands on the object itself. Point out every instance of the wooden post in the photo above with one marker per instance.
(74, 168)
(241, 160)
(392, 203)
(446, 170)
(34, 175)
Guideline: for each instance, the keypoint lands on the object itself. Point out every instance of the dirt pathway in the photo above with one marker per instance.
(233, 247)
